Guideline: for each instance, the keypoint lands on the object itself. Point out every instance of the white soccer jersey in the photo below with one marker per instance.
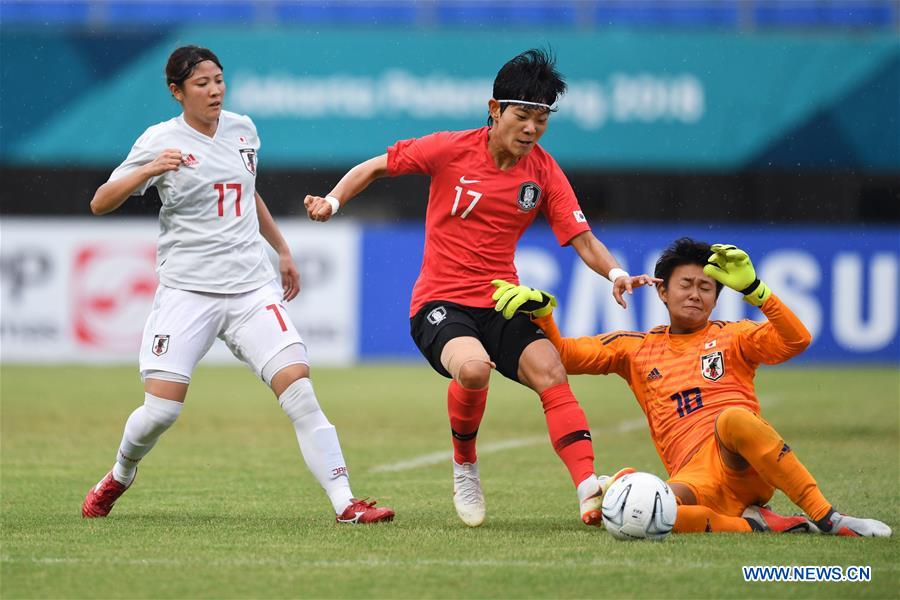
(209, 238)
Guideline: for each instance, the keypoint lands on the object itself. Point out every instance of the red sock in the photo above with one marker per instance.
(465, 407)
(569, 431)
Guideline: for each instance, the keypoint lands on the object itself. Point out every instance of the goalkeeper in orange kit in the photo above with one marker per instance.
(694, 381)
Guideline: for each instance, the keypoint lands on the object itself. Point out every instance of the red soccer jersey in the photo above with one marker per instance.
(477, 213)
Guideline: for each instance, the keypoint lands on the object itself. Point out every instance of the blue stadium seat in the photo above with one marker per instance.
(677, 13)
(468, 13)
(804, 13)
(179, 12)
(39, 12)
(347, 13)
(587, 14)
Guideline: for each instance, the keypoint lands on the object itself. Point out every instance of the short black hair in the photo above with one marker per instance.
(530, 76)
(683, 251)
(184, 60)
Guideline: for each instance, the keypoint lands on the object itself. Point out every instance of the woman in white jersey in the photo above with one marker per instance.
(215, 281)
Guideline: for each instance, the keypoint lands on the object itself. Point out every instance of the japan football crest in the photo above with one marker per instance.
(160, 344)
(249, 157)
(529, 196)
(712, 366)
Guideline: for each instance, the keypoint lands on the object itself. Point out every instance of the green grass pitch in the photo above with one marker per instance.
(225, 508)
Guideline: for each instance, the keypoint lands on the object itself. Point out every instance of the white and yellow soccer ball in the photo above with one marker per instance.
(639, 506)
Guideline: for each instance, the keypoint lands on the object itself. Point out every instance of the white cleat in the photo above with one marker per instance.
(467, 495)
(590, 498)
(590, 501)
(847, 526)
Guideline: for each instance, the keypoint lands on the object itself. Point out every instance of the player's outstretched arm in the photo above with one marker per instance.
(355, 181)
(731, 266)
(112, 194)
(290, 276)
(584, 355)
(780, 338)
(597, 256)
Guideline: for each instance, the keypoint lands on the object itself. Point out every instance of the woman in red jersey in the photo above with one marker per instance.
(487, 186)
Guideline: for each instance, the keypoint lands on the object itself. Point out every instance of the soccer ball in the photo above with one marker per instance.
(639, 506)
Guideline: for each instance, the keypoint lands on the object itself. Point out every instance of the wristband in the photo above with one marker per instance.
(334, 203)
(616, 272)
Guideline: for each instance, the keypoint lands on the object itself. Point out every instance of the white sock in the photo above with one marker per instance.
(587, 488)
(319, 443)
(142, 430)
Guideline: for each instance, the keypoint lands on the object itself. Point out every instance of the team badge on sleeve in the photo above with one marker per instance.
(712, 366)
(160, 344)
(529, 196)
(249, 157)
(579, 216)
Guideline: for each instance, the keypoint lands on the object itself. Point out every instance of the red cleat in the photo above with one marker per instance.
(100, 498)
(361, 512)
(761, 518)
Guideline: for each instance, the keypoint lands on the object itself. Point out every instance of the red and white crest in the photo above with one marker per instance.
(712, 366)
(160, 344)
(249, 157)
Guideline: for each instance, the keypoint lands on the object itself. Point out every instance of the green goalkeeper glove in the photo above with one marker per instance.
(513, 298)
(731, 267)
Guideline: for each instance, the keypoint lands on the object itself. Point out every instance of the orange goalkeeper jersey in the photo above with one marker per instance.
(683, 381)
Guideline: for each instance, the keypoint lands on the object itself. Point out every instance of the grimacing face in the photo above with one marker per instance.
(202, 93)
(518, 128)
(690, 297)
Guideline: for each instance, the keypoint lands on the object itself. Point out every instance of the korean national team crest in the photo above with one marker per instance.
(712, 366)
(529, 196)
(437, 315)
(249, 157)
(160, 344)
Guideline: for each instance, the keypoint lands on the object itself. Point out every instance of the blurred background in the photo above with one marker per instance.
(772, 124)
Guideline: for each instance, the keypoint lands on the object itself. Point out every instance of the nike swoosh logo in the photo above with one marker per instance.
(464, 180)
(353, 520)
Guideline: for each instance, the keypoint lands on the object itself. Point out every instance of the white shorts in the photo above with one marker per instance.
(183, 325)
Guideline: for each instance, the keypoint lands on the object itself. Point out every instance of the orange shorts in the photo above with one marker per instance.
(726, 491)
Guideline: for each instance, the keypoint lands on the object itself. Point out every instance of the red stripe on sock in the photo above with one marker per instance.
(564, 416)
(465, 408)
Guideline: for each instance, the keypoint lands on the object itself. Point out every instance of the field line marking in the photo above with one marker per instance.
(435, 458)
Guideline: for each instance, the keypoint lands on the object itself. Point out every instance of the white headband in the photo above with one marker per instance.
(527, 103)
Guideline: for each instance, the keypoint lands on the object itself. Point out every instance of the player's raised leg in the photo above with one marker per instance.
(541, 370)
(751, 438)
(468, 363)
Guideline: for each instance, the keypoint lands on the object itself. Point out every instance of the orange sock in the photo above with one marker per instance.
(569, 431)
(466, 408)
(749, 435)
(700, 519)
